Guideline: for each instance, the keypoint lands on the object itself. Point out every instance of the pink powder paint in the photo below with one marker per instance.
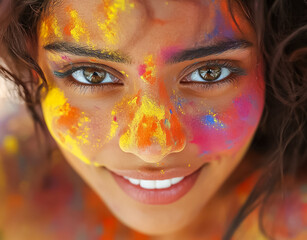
(142, 69)
(237, 122)
(167, 53)
(66, 58)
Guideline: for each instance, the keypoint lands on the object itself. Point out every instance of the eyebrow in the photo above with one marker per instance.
(214, 49)
(105, 54)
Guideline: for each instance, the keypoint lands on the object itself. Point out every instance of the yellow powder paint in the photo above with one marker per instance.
(55, 107)
(114, 126)
(10, 144)
(77, 27)
(109, 26)
(48, 28)
(147, 118)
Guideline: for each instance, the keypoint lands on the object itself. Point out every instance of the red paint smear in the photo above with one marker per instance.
(142, 69)
(69, 119)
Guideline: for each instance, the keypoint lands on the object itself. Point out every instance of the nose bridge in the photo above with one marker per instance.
(155, 130)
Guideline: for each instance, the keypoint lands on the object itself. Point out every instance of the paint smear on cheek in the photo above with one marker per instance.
(111, 10)
(67, 124)
(215, 132)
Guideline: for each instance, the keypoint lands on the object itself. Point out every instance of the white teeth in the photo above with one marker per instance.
(154, 184)
(147, 184)
(134, 181)
(163, 183)
(176, 180)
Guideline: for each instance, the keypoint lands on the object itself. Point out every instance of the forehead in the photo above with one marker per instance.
(133, 25)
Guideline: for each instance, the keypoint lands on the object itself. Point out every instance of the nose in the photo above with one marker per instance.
(154, 132)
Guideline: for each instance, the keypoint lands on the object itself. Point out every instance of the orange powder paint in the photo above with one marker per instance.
(147, 71)
(152, 124)
(69, 119)
(49, 28)
(76, 28)
(146, 127)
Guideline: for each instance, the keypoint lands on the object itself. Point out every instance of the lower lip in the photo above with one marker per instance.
(157, 196)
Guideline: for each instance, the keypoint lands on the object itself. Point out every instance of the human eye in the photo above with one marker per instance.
(212, 73)
(88, 76)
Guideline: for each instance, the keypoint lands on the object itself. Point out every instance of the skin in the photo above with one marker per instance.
(188, 125)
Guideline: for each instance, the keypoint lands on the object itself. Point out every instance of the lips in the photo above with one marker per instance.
(156, 191)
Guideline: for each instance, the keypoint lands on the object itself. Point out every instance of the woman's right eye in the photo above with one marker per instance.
(93, 76)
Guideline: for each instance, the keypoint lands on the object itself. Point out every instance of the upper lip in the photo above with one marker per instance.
(157, 173)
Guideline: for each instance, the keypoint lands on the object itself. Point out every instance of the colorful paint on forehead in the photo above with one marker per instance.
(76, 28)
(49, 27)
(111, 10)
(66, 123)
(223, 25)
(147, 71)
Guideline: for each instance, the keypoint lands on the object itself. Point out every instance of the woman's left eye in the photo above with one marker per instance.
(93, 76)
(209, 74)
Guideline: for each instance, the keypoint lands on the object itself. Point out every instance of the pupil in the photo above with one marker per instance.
(210, 74)
(93, 76)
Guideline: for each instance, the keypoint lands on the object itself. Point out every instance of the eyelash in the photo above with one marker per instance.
(235, 72)
(83, 88)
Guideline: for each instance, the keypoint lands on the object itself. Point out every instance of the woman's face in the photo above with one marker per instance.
(151, 91)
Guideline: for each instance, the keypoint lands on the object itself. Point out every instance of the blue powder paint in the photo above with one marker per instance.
(211, 121)
(221, 27)
(171, 112)
(204, 153)
(178, 101)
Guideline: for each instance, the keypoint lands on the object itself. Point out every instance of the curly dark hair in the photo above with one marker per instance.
(281, 28)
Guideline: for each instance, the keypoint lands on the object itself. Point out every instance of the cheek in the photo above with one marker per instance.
(228, 128)
(72, 128)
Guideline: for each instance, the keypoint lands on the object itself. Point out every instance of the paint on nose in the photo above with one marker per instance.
(154, 130)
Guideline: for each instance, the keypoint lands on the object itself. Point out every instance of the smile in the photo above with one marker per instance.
(154, 184)
(157, 192)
